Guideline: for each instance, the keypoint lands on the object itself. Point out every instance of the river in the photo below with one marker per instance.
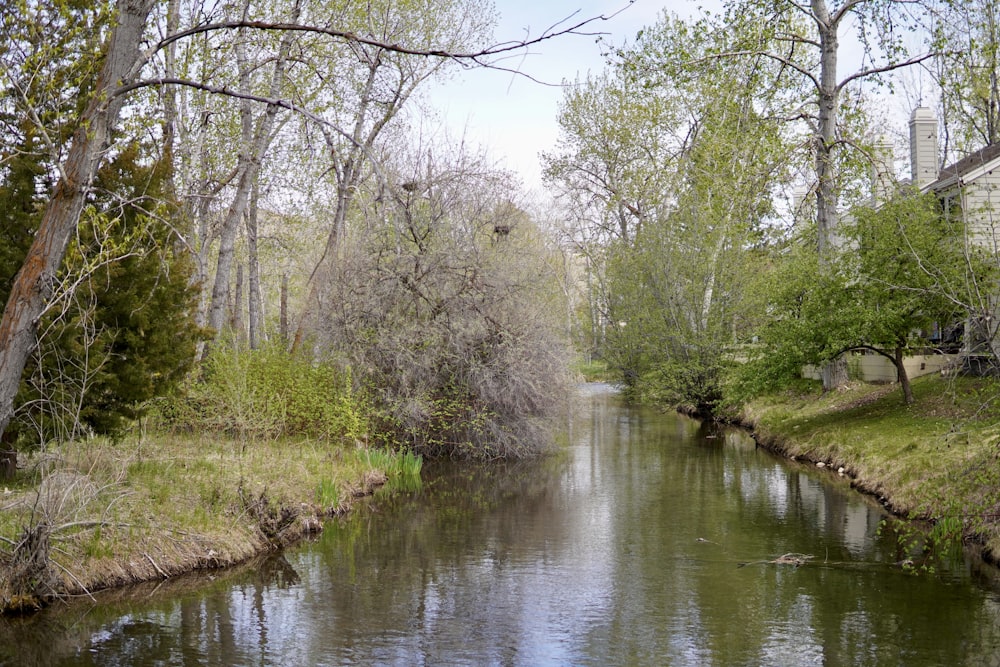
(647, 540)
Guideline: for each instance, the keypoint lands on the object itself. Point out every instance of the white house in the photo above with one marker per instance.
(970, 193)
(969, 188)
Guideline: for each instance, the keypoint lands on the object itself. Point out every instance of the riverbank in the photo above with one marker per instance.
(936, 459)
(91, 515)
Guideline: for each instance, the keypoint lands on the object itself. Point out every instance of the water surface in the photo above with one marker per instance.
(629, 548)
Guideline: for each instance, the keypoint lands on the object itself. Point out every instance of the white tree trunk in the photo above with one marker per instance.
(252, 156)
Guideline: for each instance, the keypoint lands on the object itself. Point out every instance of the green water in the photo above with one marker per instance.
(624, 550)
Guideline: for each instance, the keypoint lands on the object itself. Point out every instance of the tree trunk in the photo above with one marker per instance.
(833, 374)
(254, 149)
(34, 282)
(8, 464)
(237, 321)
(902, 377)
(283, 315)
(253, 269)
(323, 268)
(170, 93)
(348, 173)
(829, 92)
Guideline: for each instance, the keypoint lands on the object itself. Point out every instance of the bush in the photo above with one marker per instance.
(268, 393)
(694, 384)
(455, 327)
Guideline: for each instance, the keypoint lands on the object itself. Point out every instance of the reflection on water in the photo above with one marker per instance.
(623, 551)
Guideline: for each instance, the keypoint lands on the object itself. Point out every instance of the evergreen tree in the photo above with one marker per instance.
(120, 329)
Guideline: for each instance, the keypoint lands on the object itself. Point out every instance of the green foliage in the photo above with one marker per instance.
(267, 393)
(693, 382)
(909, 263)
(921, 549)
(674, 164)
(119, 329)
(594, 370)
(967, 70)
(898, 275)
(327, 493)
(393, 464)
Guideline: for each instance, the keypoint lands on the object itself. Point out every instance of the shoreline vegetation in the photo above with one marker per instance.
(934, 461)
(88, 516)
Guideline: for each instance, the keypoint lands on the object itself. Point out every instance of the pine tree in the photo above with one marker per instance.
(121, 330)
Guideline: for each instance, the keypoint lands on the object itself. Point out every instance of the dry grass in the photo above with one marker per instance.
(935, 459)
(108, 514)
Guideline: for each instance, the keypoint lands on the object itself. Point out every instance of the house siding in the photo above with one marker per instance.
(981, 203)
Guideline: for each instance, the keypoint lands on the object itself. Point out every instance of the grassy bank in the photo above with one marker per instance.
(936, 459)
(91, 515)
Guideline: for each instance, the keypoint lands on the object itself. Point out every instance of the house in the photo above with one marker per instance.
(969, 189)
(969, 192)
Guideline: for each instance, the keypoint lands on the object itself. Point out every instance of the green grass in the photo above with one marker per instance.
(134, 509)
(936, 459)
(595, 370)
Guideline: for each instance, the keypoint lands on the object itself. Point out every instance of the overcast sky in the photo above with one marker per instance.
(515, 117)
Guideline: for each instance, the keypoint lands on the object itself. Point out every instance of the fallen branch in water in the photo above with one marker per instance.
(784, 559)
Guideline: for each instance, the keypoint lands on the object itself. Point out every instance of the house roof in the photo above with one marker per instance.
(968, 168)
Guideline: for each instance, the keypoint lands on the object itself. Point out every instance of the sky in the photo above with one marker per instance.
(513, 116)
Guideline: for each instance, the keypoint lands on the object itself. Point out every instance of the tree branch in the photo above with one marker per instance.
(883, 69)
(766, 54)
(476, 56)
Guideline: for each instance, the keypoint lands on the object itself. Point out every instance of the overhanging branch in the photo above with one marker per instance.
(346, 35)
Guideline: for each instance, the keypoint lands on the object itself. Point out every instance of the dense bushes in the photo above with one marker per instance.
(449, 310)
(120, 328)
(268, 393)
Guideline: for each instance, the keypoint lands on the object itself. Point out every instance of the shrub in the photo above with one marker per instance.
(455, 328)
(268, 393)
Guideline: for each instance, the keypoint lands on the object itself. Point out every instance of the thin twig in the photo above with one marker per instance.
(150, 559)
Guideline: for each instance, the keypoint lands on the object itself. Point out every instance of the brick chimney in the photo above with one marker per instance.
(923, 147)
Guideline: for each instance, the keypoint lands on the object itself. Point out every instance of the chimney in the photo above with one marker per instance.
(923, 147)
(883, 172)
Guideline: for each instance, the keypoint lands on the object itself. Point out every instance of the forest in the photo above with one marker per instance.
(237, 217)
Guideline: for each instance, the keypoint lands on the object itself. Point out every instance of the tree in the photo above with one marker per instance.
(122, 66)
(672, 190)
(35, 279)
(446, 306)
(379, 82)
(805, 40)
(119, 329)
(966, 70)
(255, 138)
(892, 285)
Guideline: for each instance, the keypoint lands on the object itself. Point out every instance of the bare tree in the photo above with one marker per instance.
(448, 302)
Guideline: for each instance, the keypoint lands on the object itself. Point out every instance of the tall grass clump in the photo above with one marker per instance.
(268, 393)
(401, 468)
